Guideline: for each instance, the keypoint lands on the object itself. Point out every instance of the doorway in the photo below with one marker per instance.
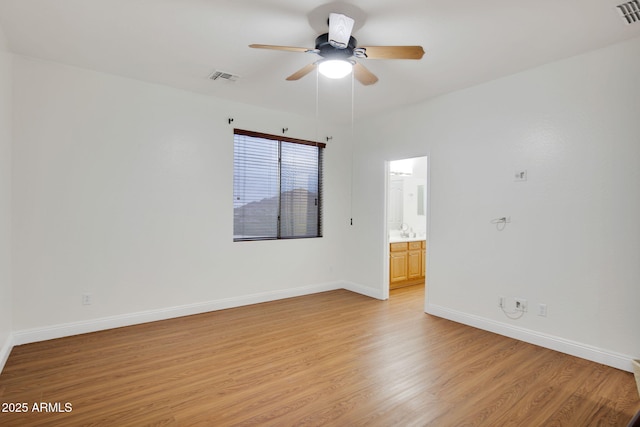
(406, 223)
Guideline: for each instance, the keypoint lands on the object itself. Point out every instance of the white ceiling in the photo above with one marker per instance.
(180, 42)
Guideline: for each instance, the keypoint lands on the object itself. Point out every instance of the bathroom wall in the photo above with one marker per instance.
(408, 186)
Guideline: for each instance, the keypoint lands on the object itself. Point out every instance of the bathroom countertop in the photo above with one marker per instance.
(396, 239)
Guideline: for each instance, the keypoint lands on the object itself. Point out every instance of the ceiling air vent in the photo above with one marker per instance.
(222, 75)
(630, 11)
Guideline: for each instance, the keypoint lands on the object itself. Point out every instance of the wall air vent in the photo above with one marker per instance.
(630, 11)
(222, 75)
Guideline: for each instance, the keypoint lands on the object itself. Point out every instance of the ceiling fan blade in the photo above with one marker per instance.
(393, 52)
(302, 71)
(340, 27)
(286, 48)
(363, 75)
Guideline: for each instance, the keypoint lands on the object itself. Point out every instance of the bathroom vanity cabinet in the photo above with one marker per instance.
(407, 262)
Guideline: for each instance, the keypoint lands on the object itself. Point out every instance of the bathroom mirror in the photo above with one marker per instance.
(421, 203)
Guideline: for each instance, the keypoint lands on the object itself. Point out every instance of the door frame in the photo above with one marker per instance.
(385, 249)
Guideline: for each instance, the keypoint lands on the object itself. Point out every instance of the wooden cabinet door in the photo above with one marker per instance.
(414, 264)
(397, 267)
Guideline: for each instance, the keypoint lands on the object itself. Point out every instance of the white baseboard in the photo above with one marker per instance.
(5, 350)
(573, 348)
(363, 290)
(584, 351)
(75, 328)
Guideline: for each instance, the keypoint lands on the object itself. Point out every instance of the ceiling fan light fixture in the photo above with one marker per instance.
(335, 68)
(338, 47)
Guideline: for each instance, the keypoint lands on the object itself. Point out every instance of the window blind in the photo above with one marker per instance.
(277, 187)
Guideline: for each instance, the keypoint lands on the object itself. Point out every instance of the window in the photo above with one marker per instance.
(277, 187)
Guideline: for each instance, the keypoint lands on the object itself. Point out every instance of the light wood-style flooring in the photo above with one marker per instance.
(335, 358)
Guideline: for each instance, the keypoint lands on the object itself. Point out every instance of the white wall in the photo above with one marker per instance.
(5, 199)
(123, 190)
(574, 240)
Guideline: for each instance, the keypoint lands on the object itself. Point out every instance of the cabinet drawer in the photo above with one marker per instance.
(415, 245)
(399, 246)
(424, 244)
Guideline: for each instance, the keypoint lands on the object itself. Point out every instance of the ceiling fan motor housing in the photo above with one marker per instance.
(329, 51)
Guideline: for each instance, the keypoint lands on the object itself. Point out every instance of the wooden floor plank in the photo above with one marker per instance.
(334, 358)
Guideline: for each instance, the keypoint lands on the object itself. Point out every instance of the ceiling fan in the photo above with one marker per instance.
(338, 48)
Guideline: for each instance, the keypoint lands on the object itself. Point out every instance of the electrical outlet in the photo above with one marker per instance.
(542, 310)
(86, 299)
(501, 302)
(521, 304)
